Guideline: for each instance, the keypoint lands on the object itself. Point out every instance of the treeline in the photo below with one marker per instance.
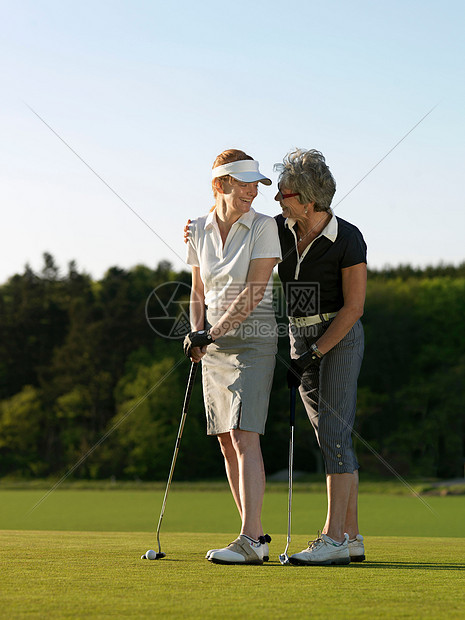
(92, 377)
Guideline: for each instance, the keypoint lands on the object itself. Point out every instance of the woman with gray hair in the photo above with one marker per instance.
(324, 273)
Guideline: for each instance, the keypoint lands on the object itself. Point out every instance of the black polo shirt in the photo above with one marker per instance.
(316, 285)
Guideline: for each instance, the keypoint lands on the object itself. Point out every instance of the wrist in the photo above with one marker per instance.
(214, 332)
(316, 351)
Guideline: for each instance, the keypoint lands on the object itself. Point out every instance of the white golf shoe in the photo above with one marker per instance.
(243, 550)
(323, 551)
(263, 539)
(357, 549)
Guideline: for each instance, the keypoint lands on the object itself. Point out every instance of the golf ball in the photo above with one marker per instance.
(150, 554)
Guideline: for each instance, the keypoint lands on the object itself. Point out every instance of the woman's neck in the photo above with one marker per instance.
(311, 226)
(225, 216)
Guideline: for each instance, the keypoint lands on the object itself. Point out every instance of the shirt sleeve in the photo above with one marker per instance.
(266, 243)
(191, 254)
(356, 250)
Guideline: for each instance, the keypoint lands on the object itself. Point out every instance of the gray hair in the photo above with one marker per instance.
(306, 173)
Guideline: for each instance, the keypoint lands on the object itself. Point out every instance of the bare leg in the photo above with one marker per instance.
(232, 467)
(351, 522)
(342, 505)
(251, 480)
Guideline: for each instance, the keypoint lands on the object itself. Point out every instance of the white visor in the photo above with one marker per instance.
(245, 170)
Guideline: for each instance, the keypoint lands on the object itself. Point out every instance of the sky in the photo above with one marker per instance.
(148, 93)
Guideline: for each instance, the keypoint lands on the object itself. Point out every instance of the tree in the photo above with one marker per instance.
(21, 426)
(149, 403)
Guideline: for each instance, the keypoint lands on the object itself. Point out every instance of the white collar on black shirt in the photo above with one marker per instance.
(329, 231)
(245, 219)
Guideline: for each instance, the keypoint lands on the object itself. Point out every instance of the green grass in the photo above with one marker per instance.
(213, 511)
(98, 575)
(78, 555)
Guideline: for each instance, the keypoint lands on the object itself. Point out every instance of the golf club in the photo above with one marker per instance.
(312, 385)
(187, 398)
(283, 558)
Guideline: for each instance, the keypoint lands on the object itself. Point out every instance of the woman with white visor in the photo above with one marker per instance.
(233, 251)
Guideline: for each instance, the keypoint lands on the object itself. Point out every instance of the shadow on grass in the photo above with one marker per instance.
(410, 565)
(384, 565)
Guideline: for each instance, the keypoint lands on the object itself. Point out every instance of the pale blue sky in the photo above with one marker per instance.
(148, 93)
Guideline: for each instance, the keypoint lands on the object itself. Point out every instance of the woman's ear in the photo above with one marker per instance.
(218, 185)
(308, 206)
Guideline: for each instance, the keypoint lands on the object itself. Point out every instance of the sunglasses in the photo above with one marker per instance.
(281, 196)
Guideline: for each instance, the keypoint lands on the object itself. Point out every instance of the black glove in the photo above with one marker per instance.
(309, 360)
(196, 339)
(294, 375)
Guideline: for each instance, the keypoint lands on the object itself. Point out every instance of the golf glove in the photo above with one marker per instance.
(196, 339)
(309, 360)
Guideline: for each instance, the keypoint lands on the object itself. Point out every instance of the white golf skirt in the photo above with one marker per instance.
(237, 374)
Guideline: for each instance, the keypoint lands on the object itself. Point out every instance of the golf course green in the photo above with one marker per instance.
(76, 553)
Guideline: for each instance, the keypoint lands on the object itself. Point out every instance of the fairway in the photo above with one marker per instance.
(76, 553)
(211, 511)
(100, 574)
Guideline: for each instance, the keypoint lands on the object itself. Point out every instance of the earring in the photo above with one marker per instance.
(305, 210)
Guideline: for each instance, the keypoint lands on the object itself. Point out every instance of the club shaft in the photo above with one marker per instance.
(291, 464)
(187, 398)
(289, 511)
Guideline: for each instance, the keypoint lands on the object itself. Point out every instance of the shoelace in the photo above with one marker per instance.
(312, 544)
(264, 539)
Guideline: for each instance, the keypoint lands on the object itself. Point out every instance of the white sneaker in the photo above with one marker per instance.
(209, 552)
(263, 539)
(243, 550)
(357, 549)
(323, 551)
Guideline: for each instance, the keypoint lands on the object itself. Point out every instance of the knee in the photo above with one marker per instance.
(226, 446)
(244, 441)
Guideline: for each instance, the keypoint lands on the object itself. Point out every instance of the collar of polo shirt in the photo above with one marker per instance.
(246, 219)
(329, 231)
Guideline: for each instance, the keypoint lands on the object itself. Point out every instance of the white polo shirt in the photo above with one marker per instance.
(224, 269)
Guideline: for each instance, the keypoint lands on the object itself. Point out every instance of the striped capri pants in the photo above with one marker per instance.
(331, 405)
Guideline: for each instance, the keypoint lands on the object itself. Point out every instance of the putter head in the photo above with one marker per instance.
(284, 559)
(158, 556)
